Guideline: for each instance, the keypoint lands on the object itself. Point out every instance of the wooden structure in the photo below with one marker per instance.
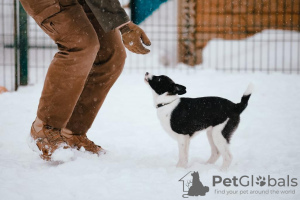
(201, 20)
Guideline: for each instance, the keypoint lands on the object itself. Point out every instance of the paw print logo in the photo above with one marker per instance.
(261, 181)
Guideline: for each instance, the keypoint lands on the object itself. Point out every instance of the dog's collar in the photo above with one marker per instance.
(163, 104)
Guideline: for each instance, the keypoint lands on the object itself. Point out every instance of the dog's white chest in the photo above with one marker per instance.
(164, 116)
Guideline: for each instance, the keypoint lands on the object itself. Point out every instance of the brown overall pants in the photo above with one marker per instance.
(84, 69)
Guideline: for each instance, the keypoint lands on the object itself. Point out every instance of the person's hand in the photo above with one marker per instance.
(133, 36)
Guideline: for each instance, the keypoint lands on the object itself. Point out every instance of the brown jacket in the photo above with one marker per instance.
(108, 13)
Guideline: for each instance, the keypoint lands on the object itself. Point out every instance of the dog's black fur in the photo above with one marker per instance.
(192, 115)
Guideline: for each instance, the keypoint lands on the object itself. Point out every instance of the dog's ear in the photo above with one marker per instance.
(179, 89)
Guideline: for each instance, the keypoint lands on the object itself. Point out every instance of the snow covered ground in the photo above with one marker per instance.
(141, 160)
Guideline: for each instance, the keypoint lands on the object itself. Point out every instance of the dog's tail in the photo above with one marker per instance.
(245, 98)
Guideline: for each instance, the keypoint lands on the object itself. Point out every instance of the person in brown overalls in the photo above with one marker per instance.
(91, 57)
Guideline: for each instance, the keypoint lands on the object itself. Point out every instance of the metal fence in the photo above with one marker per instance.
(8, 62)
(178, 30)
(254, 35)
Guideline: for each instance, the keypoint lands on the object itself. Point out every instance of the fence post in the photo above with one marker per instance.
(23, 46)
(16, 44)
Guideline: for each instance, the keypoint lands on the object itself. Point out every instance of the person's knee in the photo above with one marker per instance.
(122, 55)
(120, 58)
(111, 59)
(90, 44)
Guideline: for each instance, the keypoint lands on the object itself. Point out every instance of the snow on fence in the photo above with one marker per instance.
(268, 51)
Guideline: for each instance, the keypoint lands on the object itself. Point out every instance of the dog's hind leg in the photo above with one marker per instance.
(215, 154)
(222, 145)
(183, 146)
(230, 127)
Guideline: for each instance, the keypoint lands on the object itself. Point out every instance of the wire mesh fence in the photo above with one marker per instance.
(275, 47)
(189, 35)
(7, 44)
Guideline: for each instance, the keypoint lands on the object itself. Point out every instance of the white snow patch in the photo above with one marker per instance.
(62, 155)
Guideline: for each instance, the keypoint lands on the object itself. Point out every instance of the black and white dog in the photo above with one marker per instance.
(182, 118)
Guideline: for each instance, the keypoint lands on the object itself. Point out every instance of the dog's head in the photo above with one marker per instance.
(163, 84)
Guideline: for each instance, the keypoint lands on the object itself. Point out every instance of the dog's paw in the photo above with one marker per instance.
(210, 162)
(224, 168)
(213, 158)
(181, 165)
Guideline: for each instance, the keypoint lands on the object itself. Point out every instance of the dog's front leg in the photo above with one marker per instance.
(183, 147)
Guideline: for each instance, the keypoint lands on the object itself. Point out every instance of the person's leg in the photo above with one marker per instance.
(67, 24)
(78, 46)
(106, 69)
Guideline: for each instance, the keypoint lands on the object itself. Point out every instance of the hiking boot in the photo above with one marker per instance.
(47, 138)
(79, 141)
